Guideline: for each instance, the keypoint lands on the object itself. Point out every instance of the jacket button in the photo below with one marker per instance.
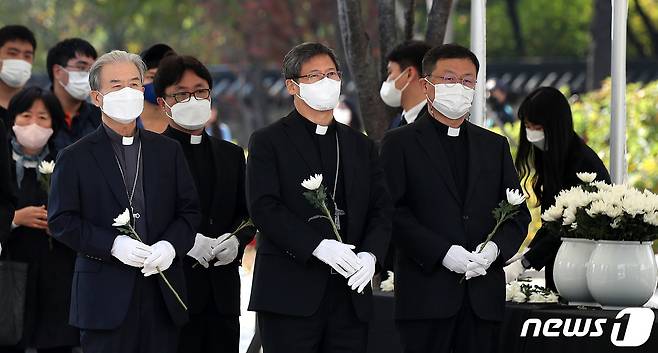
(465, 218)
(210, 221)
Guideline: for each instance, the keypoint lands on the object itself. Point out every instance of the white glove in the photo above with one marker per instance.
(226, 249)
(363, 276)
(339, 256)
(457, 259)
(130, 251)
(489, 252)
(513, 271)
(474, 269)
(161, 258)
(202, 249)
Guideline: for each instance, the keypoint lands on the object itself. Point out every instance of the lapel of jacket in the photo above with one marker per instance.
(152, 168)
(300, 138)
(220, 177)
(428, 138)
(103, 153)
(474, 158)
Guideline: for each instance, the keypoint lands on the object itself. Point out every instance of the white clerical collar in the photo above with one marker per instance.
(127, 141)
(411, 115)
(321, 130)
(195, 139)
(453, 132)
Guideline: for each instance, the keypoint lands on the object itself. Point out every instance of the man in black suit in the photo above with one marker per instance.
(118, 307)
(183, 86)
(311, 290)
(446, 176)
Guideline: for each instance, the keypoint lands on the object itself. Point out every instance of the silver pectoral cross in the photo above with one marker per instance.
(337, 215)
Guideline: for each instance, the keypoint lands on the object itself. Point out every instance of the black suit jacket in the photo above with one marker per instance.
(87, 192)
(7, 194)
(544, 246)
(430, 216)
(221, 284)
(288, 279)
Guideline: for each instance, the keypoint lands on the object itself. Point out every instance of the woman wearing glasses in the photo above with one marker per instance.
(36, 115)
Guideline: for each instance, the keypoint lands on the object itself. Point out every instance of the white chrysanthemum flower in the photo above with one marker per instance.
(313, 182)
(388, 284)
(551, 298)
(552, 214)
(569, 216)
(536, 298)
(514, 197)
(122, 219)
(586, 177)
(651, 218)
(519, 297)
(46, 167)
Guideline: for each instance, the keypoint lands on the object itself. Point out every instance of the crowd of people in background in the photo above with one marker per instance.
(139, 133)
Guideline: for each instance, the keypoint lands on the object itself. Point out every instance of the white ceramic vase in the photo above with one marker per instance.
(570, 271)
(622, 273)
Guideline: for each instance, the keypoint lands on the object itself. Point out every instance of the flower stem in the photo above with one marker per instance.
(325, 210)
(164, 278)
(488, 239)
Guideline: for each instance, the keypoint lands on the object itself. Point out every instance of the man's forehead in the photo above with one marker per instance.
(18, 45)
(455, 65)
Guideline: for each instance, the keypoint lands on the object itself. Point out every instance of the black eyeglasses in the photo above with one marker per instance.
(182, 97)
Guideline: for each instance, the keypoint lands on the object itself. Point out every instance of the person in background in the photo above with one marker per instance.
(216, 128)
(549, 156)
(498, 100)
(36, 115)
(68, 65)
(403, 87)
(183, 86)
(153, 117)
(17, 47)
(7, 194)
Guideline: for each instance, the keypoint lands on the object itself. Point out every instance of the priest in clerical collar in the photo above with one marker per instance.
(183, 85)
(446, 176)
(312, 277)
(120, 299)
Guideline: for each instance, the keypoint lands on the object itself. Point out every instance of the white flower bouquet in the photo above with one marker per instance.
(528, 293)
(599, 211)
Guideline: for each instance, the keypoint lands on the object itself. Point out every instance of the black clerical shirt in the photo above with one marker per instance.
(202, 165)
(456, 151)
(326, 149)
(127, 156)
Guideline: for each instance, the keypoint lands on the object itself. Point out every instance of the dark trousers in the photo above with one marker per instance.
(462, 333)
(148, 328)
(40, 350)
(334, 328)
(210, 332)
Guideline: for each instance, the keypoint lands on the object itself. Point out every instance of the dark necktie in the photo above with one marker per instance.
(403, 121)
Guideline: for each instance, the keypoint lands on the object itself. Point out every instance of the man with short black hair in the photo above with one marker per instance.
(311, 284)
(68, 65)
(446, 176)
(153, 118)
(17, 47)
(403, 87)
(183, 86)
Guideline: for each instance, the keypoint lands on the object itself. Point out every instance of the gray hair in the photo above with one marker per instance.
(297, 56)
(114, 56)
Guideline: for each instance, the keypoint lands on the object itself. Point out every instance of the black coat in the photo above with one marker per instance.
(50, 271)
(544, 246)
(7, 193)
(88, 192)
(86, 121)
(430, 217)
(228, 210)
(288, 279)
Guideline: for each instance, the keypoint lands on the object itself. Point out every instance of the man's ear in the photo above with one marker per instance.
(96, 98)
(292, 87)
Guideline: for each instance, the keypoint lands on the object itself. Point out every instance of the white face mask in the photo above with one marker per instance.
(124, 105)
(452, 100)
(191, 115)
(32, 136)
(322, 95)
(15, 72)
(537, 138)
(78, 86)
(390, 94)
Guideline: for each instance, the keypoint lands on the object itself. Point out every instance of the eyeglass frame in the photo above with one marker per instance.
(323, 75)
(190, 94)
(450, 84)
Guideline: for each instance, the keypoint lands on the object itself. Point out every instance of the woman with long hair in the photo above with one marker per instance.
(549, 156)
(35, 115)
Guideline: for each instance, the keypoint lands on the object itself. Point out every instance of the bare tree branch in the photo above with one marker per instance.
(516, 26)
(388, 33)
(409, 19)
(598, 58)
(437, 20)
(648, 23)
(360, 60)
